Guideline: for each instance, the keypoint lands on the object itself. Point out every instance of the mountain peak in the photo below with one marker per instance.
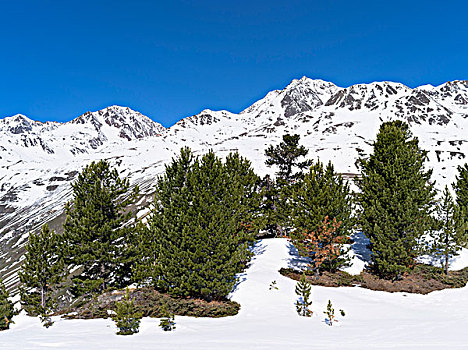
(18, 124)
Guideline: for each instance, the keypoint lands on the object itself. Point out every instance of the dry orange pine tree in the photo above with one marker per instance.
(322, 244)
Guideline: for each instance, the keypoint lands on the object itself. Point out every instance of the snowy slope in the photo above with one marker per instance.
(268, 320)
(39, 160)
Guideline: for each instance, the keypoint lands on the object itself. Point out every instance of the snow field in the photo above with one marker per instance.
(268, 319)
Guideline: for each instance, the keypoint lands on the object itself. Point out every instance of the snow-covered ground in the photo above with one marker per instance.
(268, 320)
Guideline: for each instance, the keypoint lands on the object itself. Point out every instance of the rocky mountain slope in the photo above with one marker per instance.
(39, 160)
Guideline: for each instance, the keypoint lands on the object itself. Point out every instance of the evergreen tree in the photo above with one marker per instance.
(322, 193)
(98, 229)
(126, 317)
(204, 221)
(461, 187)
(145, 271)
(7, 310)
(166, 216)
(396, 199)
(303, 290)
(167, 322)
(323, 245)
(41, 272)
(461, 191)
(286, 157)
(450, 234)
(268, 206)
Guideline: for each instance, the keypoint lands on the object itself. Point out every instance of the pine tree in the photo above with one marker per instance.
(41, 272)
(167, 322)
(145, 271)
(268, 206)
(396, 199)
(204, 221)
(461, 187)
(322, 193)
(286, 157)
(461, 192)
(166, 216)
(126, 317)
(330, 312)
(303, 290)
(322, 245)
(7, 310)
(98, 229)
(450, 234)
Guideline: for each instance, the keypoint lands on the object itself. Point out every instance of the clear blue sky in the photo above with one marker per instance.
(171, 59)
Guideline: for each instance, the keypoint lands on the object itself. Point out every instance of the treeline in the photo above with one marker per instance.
(208, 212)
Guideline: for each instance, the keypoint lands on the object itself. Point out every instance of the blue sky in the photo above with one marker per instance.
(171, 59)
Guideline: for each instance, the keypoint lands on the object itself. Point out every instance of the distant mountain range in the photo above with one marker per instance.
(39, 160)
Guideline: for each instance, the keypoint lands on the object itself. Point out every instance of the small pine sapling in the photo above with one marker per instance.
(167, 322)
(273, 285)
(126, 317)
(303, 290)
(330, 312)
(46, 320)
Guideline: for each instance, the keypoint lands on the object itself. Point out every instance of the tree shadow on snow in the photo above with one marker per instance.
(257, 249)
(360, 246)
(296, 261)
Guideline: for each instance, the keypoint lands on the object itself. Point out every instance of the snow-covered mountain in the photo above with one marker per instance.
(39, 160)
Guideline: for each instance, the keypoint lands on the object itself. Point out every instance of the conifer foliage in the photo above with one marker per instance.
(396, 199)
(322, 194)
(126, 317)
(167, 322)
(7, 310)
(461, 192)
(286, 156)
(322, 245)
(204, 221)
(303, 290)
(330, 313)
(461, 187)
(449, 236)
(41, 272)
(95, 232)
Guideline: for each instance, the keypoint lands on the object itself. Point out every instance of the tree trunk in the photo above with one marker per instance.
(43, 292)
(446, 263)
(316, 274)
(103, 285)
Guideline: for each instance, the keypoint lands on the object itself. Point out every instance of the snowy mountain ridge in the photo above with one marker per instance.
(39, 160)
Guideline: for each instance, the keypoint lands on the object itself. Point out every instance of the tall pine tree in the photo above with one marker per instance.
(41, 272)
(396, 199)
(450, 236)
(321, 193)
(461, 187)
(98, 229)
(204, 222)
(287, 157)
(166, 216)
(461, 191)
